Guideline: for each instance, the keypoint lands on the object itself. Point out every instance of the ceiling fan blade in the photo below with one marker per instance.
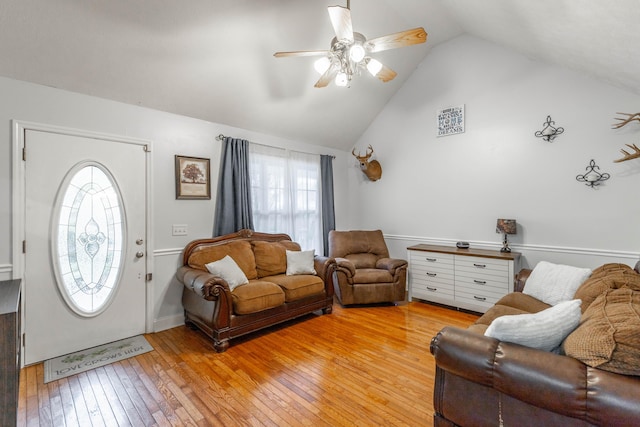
(386, 74)
(301, 53)
(341, 21)
(326, 78)
(395, 40)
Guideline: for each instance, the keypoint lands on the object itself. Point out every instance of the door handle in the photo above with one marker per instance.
(139, 254)
(139, 242)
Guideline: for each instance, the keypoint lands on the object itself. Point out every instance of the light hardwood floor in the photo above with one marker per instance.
(363, 366)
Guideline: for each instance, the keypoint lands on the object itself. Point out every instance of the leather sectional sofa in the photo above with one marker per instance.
(270, 296)
(482, 381)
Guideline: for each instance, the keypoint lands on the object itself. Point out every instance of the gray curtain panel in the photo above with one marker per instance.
(328, 210)
(233, 202)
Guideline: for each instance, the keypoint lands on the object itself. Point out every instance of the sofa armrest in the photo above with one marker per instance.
(345, 266)
(521, 279)
(391, 264)
(202, 283)
(325, 266)
(558, 383)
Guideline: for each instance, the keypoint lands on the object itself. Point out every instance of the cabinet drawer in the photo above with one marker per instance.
(434, 282)
(478, 281)
(418, 258)
(488, 264)
(482, 267)
(432, 292)
(432, 273)
(483, 299)
(480, 291)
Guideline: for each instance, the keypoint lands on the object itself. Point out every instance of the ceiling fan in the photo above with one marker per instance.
(350, 51)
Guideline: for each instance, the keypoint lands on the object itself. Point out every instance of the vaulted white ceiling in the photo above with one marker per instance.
(213, 59)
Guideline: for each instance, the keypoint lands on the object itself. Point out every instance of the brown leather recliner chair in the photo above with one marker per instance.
(365, 274)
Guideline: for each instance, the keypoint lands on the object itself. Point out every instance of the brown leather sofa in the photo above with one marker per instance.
(481, 381)
(365, 273)
(271, 296)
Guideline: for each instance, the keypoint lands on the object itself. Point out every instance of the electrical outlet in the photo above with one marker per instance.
(179, 230)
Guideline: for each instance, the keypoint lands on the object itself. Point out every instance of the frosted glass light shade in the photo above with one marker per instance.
(322, 65)
(374, 66)
(341, 79)
(357, 52)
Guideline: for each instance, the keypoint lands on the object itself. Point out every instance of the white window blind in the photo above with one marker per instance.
(285, 194)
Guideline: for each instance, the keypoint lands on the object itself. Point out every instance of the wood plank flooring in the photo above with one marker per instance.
(361, 366)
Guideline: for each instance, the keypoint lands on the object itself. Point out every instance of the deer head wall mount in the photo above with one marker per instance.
(623, 121)
(371, 169)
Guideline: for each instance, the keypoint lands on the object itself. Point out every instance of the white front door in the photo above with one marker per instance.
(85, 242)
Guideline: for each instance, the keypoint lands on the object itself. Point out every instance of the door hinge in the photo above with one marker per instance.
(148, 277)
(24, 338)
(24, 246)
(146, 148)
(24, 154)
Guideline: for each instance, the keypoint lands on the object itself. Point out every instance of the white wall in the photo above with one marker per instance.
(440, 190)
(170, 134)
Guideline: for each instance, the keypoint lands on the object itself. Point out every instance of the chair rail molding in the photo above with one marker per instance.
(536, 251)
(6, 270)
(168, 252)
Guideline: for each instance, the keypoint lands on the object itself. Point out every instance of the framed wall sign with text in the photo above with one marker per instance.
(451, 120)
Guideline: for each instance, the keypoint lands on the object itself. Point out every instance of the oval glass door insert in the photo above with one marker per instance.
(88, 235)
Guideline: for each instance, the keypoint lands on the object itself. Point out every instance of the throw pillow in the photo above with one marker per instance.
(554, 283)
(608, 337)
(227, 269)
(544, 330)
(300, 262)
(271, 257)
(605, 277)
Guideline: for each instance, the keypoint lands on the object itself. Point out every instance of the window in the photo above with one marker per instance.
(285, 194)
(88, 236)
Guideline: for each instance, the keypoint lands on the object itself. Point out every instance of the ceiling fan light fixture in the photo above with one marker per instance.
(357, 52)
(341, 79)
(322, 65)
(348, 54)
(374, 66)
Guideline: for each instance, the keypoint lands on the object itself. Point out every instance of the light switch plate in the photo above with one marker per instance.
(179, 230)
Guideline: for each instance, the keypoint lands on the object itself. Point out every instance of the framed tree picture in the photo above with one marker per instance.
(192, 178)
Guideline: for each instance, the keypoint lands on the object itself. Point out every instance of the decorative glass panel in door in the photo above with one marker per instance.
(88, 235)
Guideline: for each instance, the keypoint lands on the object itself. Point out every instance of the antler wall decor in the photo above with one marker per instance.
(623, 122)
(627, 155)
(629, 119)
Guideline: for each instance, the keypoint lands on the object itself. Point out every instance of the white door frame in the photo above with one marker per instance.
(19, 201)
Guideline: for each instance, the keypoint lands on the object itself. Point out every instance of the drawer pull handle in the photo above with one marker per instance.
(432, 289)
(479, 282)
(480, 265)
(480, 298)
(431, 259)
(432, 274)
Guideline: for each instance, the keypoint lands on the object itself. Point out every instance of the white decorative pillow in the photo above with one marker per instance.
(300, 262)
(227, 269)
(544, 330)
(554, 283)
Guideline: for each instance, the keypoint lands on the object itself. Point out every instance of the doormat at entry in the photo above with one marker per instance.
(84, 360)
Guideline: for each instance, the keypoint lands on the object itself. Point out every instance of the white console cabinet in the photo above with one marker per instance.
(473, 279)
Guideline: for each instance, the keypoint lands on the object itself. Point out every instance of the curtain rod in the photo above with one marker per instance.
(221, 137)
